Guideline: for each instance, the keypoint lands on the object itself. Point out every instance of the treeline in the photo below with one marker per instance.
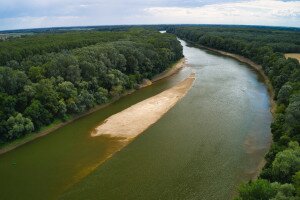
(18, 49)
(285, 41)
(280, 178)
(46, 77)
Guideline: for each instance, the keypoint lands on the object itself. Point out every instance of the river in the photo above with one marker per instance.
(203, 148)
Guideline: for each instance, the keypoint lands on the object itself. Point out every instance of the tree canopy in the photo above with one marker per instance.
(49, 76)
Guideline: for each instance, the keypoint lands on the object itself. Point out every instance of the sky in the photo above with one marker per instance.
(20, 14)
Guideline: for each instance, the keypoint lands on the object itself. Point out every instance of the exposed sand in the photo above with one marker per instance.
(293, 55)
(132, 121)
(168, 72)
(145, 83)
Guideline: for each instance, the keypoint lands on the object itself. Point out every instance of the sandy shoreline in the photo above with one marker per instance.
(170, 71)
(132, 121)
(167, 73)
(10, 146)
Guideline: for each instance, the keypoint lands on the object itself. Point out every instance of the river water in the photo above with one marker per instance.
(203, 148)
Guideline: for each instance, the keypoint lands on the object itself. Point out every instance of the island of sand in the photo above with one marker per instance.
(132, 121)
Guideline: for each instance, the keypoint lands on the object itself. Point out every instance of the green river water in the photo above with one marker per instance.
(203, 148)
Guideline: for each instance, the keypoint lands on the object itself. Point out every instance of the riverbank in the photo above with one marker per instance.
(59, 124)
(127, 124)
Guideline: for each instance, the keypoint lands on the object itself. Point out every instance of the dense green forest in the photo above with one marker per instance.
(280, 178)
(53, 76)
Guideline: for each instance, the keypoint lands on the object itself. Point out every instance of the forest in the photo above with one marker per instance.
(280, 177)
(47, 77)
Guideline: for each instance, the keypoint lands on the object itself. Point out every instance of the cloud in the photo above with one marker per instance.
(260, 12)
(15, 14)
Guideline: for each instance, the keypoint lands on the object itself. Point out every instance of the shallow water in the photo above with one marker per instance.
(203, 148)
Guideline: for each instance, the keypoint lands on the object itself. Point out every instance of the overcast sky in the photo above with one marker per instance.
(17, 14)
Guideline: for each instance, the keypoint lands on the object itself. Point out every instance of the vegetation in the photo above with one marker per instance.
(45, 77)
(280, 177)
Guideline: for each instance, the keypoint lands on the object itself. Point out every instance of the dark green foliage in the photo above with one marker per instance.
(18, 126)
(257, 190)
(296, 181)
(264, 190)
(293, 113)
(263, 46)
(52, 76)
(38, 114)
(286, 163)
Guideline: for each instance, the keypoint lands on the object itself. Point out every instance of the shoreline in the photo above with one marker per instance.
(176, 67)
(127, 124)
(173, 69)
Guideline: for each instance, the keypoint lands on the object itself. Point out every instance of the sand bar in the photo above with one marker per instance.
(165, 74)
(170, 71)
(132, 121)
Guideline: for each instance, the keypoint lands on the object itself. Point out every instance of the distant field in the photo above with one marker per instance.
(293, 55)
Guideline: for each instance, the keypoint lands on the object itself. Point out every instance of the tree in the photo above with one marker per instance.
(264, 190)
(38, 114)
(67, 90)
(12, 81)
(88, 70)
(284, 191)
(284, 94)
(85, 101)
(296, 181)
(18, 126)
(293, 113)
(47, 95)
(257, 190)
(73, 73)
(7, 105)
(101, 96)
(286, 163)
(36, 73)
(62, 109)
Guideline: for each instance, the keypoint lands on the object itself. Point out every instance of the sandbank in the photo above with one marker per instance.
(132, 121)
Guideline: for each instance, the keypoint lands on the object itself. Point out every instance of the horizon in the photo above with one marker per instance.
(137, 25)
(33, 14)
